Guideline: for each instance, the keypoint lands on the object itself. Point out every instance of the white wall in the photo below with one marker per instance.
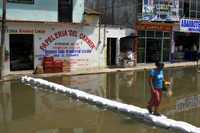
(90, 52)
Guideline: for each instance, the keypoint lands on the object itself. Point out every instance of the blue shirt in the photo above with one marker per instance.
(158, 78)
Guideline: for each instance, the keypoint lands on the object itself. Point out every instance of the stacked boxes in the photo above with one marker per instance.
(66, 66)
(58, 66)
(52, 66)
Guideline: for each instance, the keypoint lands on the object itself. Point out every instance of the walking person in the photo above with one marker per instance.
(156, 78)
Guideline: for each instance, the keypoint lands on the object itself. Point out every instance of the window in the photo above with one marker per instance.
(193, 5)
(22, 1)
(68, 2)
(159, 34)
(141, 33)
(186, 9)
(65, 8)
(192, 14)
(189, 9)
(167, 34)
(139, 8)
(150, 33)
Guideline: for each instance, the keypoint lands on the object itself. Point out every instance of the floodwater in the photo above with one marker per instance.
(26, 110)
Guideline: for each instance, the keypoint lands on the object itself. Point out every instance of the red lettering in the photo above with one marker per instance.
(52, 38)
(81, 36)
(60, 34)
(64, 33)
(87, 40)
(43, 46)
(57, 35)
(47, 40)
(73, 33)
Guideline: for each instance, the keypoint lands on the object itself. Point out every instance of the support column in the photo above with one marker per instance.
(2, 47)
(162, 47)
(199, 45)
(117, 60)
(172, 52)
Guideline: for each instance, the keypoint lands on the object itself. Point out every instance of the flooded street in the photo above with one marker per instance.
(26, 110)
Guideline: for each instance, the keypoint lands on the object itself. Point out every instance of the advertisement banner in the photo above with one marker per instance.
(189, 25)
(160, 10)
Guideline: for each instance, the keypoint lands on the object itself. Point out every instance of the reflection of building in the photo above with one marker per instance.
(35, 111)
(93, 84)
(188, 103)
(22, 109)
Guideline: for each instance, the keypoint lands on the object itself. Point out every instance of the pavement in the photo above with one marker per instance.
(17, 74)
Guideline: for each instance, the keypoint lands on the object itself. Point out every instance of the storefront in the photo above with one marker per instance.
(120, 46)
(186, 40)
(154, 41)
(72, 44)
(156, 21)
(76, 47)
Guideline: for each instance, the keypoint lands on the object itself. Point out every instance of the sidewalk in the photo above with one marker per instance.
(17, 74)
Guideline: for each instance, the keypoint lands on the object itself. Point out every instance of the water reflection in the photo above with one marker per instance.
(132, 88)
(25, 110)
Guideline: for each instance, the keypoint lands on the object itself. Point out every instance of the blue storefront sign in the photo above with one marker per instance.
(160, 10)
(189, 25)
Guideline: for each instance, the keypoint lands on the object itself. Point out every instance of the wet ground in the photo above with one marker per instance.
(26, 110)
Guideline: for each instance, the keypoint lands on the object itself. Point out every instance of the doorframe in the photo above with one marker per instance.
(110, 51)
(33, 51)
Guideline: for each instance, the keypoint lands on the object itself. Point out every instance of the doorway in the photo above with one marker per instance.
(153, 46)
(21, 52)
(153, 50)
(186, 46)
(111, 51)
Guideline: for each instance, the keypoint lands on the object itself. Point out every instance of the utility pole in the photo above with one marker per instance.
(2, 47)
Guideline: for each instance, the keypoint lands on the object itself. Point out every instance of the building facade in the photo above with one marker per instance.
(45, 11)
(168, 30)
(158, 23)
(60, 29)
(115, 12)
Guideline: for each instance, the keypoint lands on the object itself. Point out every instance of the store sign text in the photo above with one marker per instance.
(66, 33)
(27, 31)
(160, 10)
(189, 25)
(67, 53)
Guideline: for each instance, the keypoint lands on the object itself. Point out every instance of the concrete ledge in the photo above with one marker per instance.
(138, 67)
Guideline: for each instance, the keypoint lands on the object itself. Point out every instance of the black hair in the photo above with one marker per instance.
(159, 64)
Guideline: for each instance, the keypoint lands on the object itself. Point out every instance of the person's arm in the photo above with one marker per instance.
(151, 82)
(151, 78)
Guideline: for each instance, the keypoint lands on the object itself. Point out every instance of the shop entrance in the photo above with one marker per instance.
(153, 46)
(21, 52)
(111, 51)
(186, 46)
(153, 50)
